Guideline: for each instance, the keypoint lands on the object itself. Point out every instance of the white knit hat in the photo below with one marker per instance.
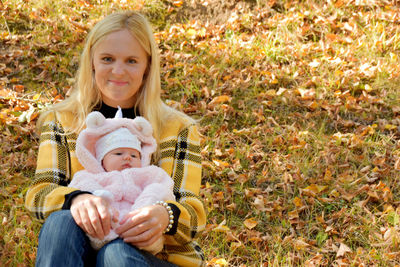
(121, 137)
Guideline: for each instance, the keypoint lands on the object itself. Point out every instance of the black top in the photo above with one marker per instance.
(109, 112)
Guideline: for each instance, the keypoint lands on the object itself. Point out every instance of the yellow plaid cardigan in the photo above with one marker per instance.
(180, 158)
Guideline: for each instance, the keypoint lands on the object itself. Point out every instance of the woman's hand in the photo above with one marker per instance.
(92, 214)
(144, 226)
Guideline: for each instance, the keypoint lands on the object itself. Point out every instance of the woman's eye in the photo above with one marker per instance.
(106, 59)
(132, 61)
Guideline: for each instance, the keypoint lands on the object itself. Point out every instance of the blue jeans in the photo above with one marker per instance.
(63, 243)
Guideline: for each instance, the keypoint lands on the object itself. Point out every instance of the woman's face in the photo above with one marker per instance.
(119, 63)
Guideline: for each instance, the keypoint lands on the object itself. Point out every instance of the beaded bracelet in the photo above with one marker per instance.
(170, 213)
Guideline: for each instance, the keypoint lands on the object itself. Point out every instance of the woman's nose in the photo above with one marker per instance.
(118, 68)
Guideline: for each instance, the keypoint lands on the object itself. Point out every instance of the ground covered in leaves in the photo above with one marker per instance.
(298, 103)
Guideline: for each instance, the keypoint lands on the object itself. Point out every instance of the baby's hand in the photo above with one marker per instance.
(115, 216)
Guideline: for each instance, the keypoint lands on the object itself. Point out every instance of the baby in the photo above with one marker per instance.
(116, 156)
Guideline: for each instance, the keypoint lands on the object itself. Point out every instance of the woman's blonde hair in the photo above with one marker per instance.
(85, 95)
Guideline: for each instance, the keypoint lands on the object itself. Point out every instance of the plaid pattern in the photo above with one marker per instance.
(180, 158)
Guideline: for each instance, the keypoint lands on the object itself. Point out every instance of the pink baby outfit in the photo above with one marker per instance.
(128, 189)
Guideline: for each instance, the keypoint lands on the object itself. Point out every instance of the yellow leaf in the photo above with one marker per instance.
(368, 88)
(222, 227)
(339, 73)
(393, 57)
(297, 202)
(36, 97)
(390, 127)
(328, 175)
(191, 32)
(271, 92)
(218, 261)
(250, 223)
(314, 189)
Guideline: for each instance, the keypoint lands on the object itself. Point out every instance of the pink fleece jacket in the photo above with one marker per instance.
(128, 189)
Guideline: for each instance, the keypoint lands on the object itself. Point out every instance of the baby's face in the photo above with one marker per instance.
(121, 158)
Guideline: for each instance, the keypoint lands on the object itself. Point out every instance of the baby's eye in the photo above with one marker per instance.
(118, 153)
(133, 156)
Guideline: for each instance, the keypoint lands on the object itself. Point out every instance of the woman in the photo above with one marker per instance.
(119, 67)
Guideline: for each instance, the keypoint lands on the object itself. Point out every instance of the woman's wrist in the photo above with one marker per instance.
(170, 215)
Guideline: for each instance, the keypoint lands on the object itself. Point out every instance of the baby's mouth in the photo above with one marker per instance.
(126, 166)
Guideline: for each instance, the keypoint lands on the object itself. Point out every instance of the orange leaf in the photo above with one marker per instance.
(19, 88)
(177, 3)
(250, 223)
(331, 36)
(220, 99)
(220, 163)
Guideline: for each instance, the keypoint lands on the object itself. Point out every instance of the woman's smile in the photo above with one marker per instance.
(118, 83)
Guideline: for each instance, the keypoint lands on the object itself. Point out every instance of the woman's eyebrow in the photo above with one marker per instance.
(111, 54)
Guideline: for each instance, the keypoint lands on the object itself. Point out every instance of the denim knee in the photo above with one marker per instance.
(62, 242)
(119, 253)
(61, 225)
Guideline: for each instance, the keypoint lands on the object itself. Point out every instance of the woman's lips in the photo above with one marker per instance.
(119, 83)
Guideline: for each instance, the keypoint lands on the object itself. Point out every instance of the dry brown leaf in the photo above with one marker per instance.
(300, 244)
(343, 249)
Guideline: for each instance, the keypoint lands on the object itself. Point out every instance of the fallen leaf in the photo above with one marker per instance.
(250, 223)
(343, 249)
(297, 202)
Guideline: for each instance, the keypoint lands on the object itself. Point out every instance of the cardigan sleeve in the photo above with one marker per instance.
(48, 191)
(180, 157)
